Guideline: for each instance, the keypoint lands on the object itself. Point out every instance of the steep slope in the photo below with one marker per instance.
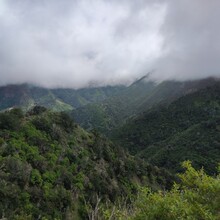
(26, 96)
(50, 168)
(106, 115)
(168, 91)
(188, 128)
(81, 97)
(137, 98)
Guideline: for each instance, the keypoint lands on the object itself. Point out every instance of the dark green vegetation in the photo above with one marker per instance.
(27, 96)
(135, 99)
(50, 168)
(81, 97)
(196, 197)
(108, 114)
(188, 128)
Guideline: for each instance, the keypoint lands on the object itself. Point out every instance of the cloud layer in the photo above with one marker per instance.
(191, 47)
(74, 43)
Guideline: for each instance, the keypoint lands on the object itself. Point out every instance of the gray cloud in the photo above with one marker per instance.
(73, 43)
(191, 47)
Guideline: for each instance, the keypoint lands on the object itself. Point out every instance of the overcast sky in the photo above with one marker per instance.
(73, 43)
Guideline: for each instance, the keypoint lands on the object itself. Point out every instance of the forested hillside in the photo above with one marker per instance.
(135, 99)
(26, 96)
(188, 128)
(106, 115)
(80, 97)
(50, 168)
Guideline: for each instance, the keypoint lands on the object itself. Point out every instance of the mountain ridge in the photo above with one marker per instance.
(135, 99)
(181, 130)
(26, 96)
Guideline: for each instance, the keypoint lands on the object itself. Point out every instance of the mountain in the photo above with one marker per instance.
(108, 114)
(168, 91)
(186, 129)
(81, 97)
(135, 99)
(27, 96)
(50, 168)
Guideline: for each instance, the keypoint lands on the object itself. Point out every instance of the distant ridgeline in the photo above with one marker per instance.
(119, 102)
(27, 96)
(139, 97)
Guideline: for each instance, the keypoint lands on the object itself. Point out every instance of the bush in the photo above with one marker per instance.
(196, 197)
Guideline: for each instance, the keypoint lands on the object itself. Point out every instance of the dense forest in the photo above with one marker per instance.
(157, 159)
(186, 129)
(50, 168)
(140, 96)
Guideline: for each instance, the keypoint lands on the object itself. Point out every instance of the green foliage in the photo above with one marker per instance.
(49, 167)
(27, 96)
(35, 177)
(36, 110)
(196, 197)
(187, 129)
(113, 111)
(11, 119)
(135, 99)
(81, 97)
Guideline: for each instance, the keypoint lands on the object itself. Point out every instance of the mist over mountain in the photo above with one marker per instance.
(27, 96)
(75, 43)
(109, 109)
(140, 96)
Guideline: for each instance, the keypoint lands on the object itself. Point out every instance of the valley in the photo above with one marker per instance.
(69, 151)
(109, 110)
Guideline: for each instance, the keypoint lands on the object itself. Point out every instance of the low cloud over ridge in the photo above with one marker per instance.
(73, 43)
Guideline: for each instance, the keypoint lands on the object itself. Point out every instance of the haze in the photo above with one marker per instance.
(74, 43)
